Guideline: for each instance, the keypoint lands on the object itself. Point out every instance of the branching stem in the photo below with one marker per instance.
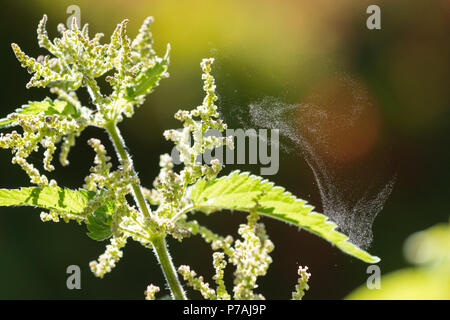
(158, 242)
(119, 145)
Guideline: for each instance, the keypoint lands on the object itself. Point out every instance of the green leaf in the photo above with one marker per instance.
(99, 223)
(47, 106)
(63, 108)
(55, 198)
(66, 200)
(149, 79)
(238, 191)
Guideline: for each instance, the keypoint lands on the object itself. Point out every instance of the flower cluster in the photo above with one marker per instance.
(250, 257)
(219, 264)
(171, 189)
(78, 60)
(302, 285)
(108, 260)
(197, 282)
(43, 129)
(151, 291)
(196, 123)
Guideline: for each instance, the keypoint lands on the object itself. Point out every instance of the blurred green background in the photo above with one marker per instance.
(262, 48)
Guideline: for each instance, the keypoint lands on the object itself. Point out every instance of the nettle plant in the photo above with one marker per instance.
(134, 70)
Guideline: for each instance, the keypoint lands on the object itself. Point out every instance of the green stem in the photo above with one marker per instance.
(119, 145)
(159, 243)
(181, 212)
(160, 247)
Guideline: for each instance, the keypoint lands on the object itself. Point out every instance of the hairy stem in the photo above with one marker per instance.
(160, 247)
(159, 243)
(119, 145)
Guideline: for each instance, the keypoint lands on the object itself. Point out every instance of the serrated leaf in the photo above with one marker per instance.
(47, 106)
(66, 200)
(238, 191)
(62, 199)
(148, 79)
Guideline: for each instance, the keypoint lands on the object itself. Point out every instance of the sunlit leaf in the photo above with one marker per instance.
(238, 191)
(47, 107)
(61, 199)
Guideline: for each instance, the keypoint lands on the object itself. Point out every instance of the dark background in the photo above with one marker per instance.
(262, 48)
